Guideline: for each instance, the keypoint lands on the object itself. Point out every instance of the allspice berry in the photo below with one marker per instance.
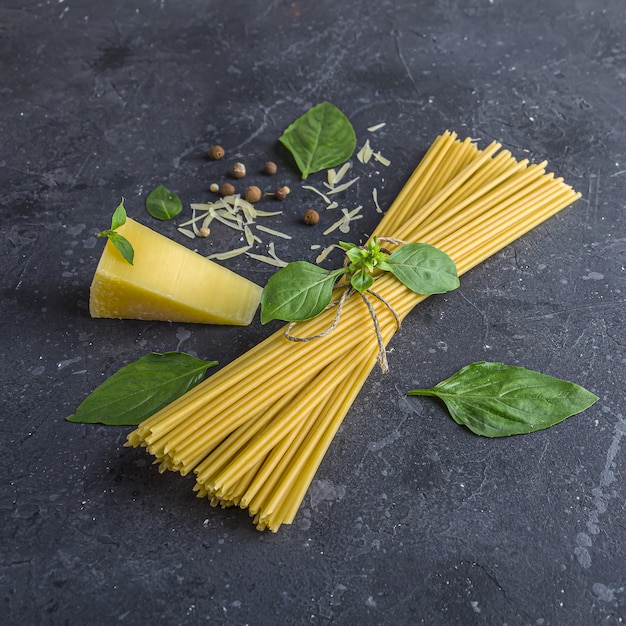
(311, 217)
(216, 153)
(281, 193)
(238, 170)
(227, 189)
(253, 194)
(270, 168)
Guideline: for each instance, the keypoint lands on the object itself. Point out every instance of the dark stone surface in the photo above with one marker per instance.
(411, 519)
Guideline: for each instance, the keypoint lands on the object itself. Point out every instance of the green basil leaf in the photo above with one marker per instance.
(119, 241)
(423, 268)
(355, 254)
(321, 138)
(497, 400)
(362, 281)
(119, 216)
(163, 204)
(141, 388)
(122, 244)
(297, 292)
(346, 245)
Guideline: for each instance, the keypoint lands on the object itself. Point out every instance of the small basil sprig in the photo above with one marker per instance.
(300, 290)
(141, 388)
(321, 138)
(163, 204)
(119, 241)
(497, 400)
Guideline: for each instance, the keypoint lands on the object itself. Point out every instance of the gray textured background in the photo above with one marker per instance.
(411, 519)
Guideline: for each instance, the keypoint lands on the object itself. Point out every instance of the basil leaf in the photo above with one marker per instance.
(119, 216)
(423, 268)
(362, 281)
(297, 292)
(321, 138)
(140, 389)
(497, 400)
(122, 244)
(163, 204)
(119, 241)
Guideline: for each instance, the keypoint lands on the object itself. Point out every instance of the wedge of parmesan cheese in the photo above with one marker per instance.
(168, 282)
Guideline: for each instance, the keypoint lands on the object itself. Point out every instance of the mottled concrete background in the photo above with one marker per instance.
(411, 519)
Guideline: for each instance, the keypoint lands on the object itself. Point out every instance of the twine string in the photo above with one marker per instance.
(347, 291)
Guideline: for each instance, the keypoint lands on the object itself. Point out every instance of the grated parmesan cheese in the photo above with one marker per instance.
(271, 231)
(267, 259)
(375, 198)
(187, 233)
(317, 191)
(335, 177)
(381, 159)
(373, 129)
(248, 234)
(343, 224)
(234, 212)
(342, 187)
(326, 251)
(229, 254)
(365, 153)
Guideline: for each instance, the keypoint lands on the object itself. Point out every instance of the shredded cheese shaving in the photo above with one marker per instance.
(326, 251)
(229, 254)
(234, 212)
(343, 224)
(375, 198)
(381, 159)
(365, 153)
(267, 259)
(271, 231)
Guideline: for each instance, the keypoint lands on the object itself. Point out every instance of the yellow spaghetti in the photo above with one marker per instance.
(255, 432)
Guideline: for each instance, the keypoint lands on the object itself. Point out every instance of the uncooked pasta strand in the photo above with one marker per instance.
(450, 187)
(265, 481)
(464, 200)
(422, 174)
(287, 419)
(288, 496)
(473, 197)
(221, 398)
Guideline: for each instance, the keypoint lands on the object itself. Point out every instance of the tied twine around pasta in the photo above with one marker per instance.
(347, 291)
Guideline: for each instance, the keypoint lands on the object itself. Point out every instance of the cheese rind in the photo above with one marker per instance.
(168, 282)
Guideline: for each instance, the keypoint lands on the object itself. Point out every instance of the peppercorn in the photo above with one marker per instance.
(270, 168)
(227, 189)
(214, 187)
(216, 152)
(253, 194)
(311, 217)
(238, 170)
(205, 231)
(281, 193)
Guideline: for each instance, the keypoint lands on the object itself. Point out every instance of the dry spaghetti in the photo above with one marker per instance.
(255, 432)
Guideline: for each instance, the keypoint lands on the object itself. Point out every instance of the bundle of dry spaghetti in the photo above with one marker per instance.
(255, 432)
